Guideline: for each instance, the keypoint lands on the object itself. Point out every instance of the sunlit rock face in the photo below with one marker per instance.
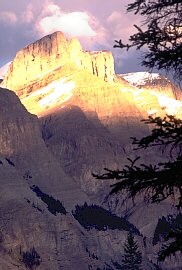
(52, 52)
(99, 63)
(167, 93)
(61, 77)
(3, 71)
(85, 123)
(25, 220)
(48, 72)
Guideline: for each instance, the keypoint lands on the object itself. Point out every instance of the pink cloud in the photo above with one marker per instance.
(122, 25)
(72, 23)
(95, 23)
(28, 14)
(8, 17)
(82, 24)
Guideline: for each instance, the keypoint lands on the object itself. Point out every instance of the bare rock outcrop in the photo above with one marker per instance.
(21, 143)
(19, 129)
(86, 120)
(29, 221)
(26, 220)
(153, 82)
(99, 63)
(52, 52)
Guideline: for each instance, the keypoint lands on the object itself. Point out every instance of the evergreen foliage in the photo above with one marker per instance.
(156, 182)
(94, 216)
(132, 258)
(117, 266)
(54, 206)
(160, 33)
(164, 227)
(105, 268)
(31, 259)
(175, 245)
(161, 231)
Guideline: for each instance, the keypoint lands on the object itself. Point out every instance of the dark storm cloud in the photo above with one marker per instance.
(96, 24)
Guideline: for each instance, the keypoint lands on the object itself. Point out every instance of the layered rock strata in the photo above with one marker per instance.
(21, 143)
(86, 121)
(52, 52)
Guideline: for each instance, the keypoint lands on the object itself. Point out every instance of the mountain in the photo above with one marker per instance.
(168, 94)
(85, 116)
(55, 51)
(35, 200)
(3, 71)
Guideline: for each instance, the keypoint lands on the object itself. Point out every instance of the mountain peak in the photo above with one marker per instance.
(52, 52)
(140, 78)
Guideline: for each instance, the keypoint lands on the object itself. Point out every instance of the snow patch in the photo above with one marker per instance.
(3, 70)
(171, 105)
(140, 78)
(57, 91)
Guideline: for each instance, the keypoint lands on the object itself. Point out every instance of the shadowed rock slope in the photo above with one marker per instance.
(33, 188)
(21, 142)
(86, 116)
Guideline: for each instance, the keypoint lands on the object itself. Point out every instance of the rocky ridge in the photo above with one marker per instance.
(52, 52)
(21, 142)
(82, 118)
(25, 220)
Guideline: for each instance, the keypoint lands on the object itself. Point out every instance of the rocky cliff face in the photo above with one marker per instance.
(155, 82)
(166, 92)
(18, 127)
(21, 142)
(33, 186)
(52, 52)
(85, 121)
(32, 220)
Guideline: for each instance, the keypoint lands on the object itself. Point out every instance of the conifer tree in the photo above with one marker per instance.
(132, 257)
(160, 34)
(156, 182)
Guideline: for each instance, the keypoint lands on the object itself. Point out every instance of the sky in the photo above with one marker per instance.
(96, 23)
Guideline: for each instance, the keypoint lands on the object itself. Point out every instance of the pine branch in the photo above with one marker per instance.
(162, 35)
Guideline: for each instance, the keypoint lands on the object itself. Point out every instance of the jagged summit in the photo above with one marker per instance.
(52, 52)
(168, 94)
(86, 116)
(55, 70)
(140, 78)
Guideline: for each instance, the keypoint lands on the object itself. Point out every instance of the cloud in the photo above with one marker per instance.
(74, 23)
(82, 24)
(8, 17)
(114, 17)
(28, 14)
(122, 25)
(25, 21)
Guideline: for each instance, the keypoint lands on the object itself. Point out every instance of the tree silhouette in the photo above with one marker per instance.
(54, 206)
(160, 33)
(31, 259)
(155, 182)
(132, 257)
(94, 216)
